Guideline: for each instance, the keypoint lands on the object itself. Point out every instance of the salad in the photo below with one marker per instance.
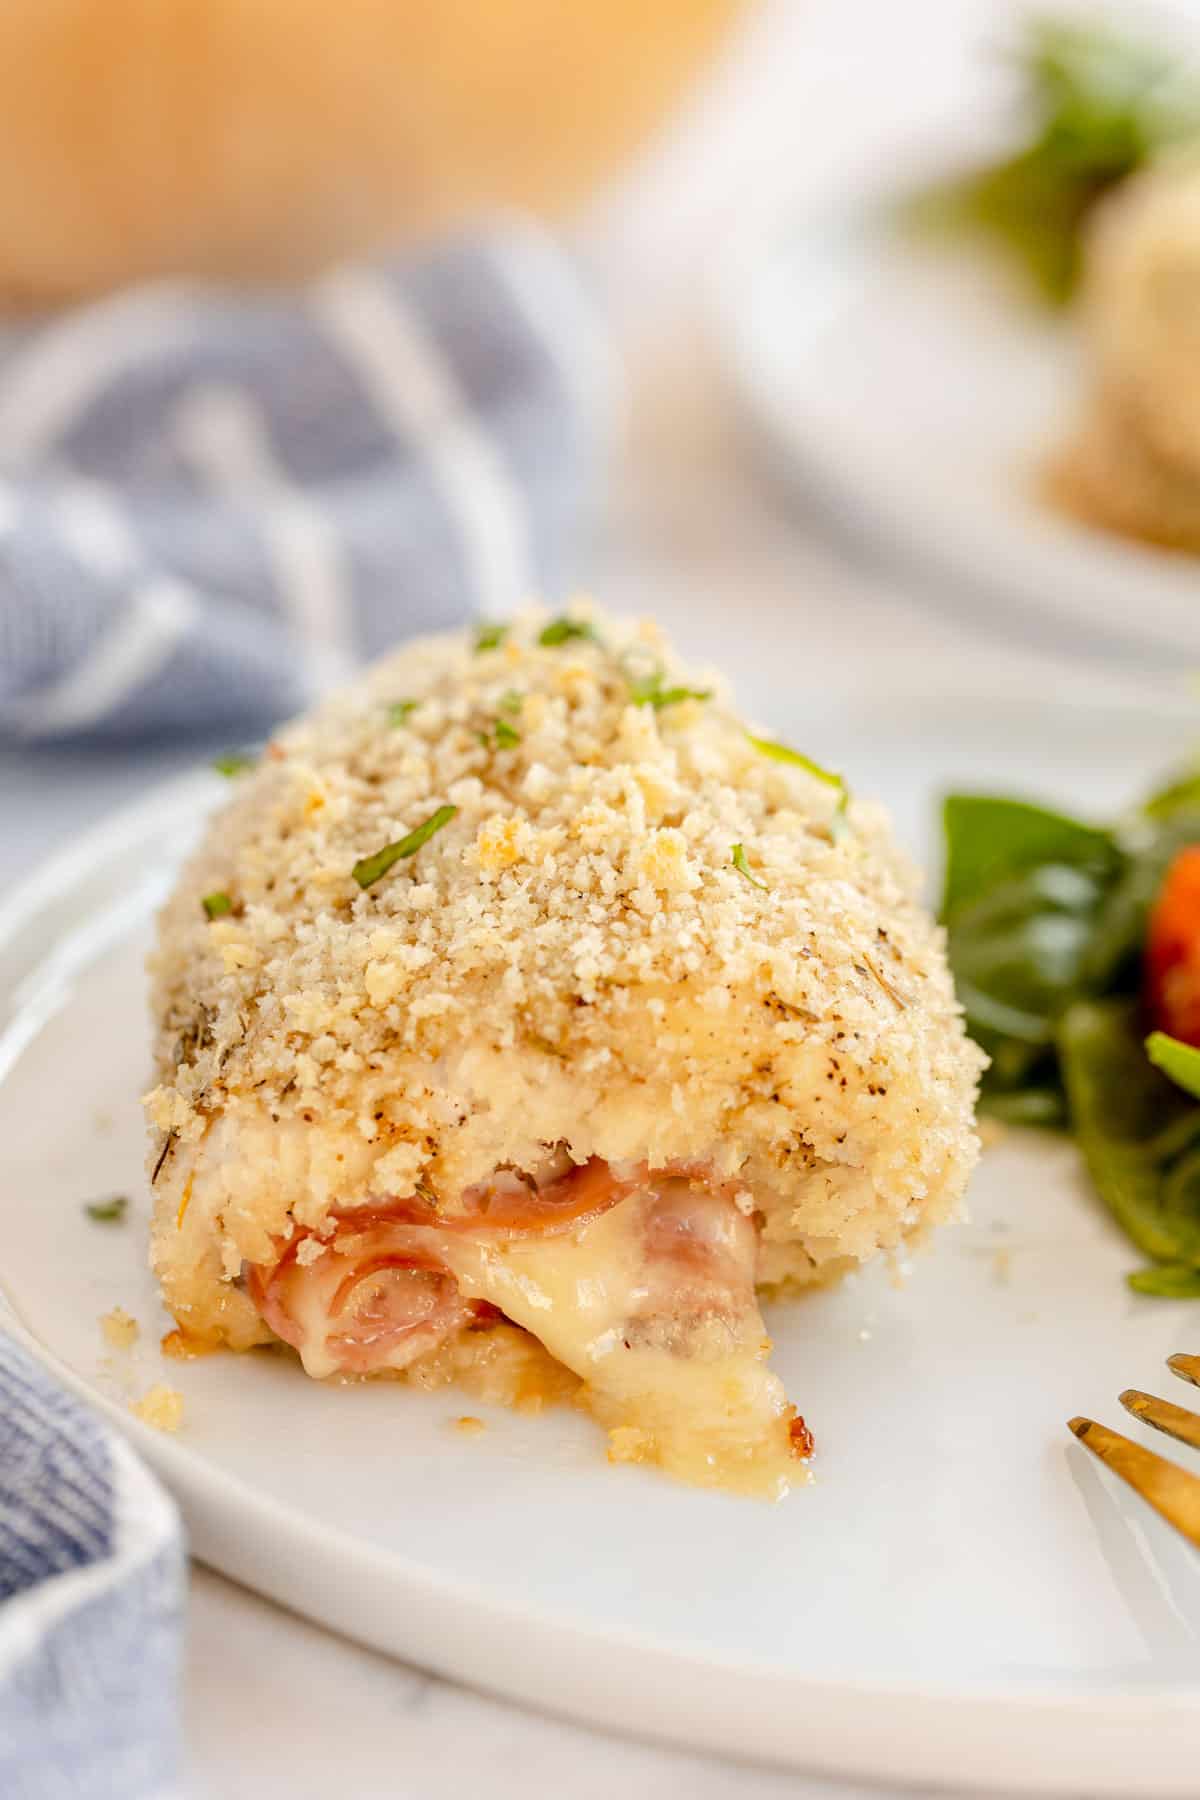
(1076, 953)
(1097, 104)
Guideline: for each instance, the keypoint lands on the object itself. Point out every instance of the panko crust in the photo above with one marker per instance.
(573, 958)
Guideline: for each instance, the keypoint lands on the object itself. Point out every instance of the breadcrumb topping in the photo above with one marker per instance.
(573, 957)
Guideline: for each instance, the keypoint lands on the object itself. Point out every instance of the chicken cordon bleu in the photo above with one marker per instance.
(522, 993)
(1133, 466)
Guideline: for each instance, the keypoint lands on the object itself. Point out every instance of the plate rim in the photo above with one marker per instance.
(1060, 578)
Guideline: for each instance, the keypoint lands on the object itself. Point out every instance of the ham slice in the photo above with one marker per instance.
(383, 1290)
(376, 1298)
(643, 1286)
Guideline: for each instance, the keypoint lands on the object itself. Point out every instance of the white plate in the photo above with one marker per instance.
(915, 393)
(962, 1594)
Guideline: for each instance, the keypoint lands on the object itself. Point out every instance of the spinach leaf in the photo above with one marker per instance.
(1139, 1135)
(1046, 920)
(1024, 890)
(1149, 844)
(1181, 795)
(1179, 1061)
(1169, 1281)
(989, 837)
(1042, 1107)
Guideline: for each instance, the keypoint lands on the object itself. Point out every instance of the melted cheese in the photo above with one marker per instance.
(651, 1304)
(714, 1415)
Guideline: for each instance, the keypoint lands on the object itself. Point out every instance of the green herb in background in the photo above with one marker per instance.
(490, 637)
(399, 710)
(562, 631)
(648, 690)
(1099, 105)
(235, 763)
(107, 1212)
(217, 905)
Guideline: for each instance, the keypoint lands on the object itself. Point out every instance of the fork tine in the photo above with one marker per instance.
(1186, 1367)
(1170, 1490)
(1176, 1421)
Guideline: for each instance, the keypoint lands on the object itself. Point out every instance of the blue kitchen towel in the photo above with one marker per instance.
(214, 503)
(91, 1603)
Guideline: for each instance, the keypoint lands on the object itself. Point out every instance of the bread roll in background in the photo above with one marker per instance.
(262, 138)
(1133, 465)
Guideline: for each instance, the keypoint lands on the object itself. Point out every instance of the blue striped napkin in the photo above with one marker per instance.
(214, 504)
(91, 1603)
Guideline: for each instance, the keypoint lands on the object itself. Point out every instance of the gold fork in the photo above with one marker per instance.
(1170, 1490)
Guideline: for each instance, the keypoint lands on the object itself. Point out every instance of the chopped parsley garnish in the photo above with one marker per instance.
(490, 637)
(371, 868)
(785, 754)
(107, 1212)
(511, 701)
(561, 631)
(398, 711)
(501, 736)
(648, 690)
(236, 763)
(738, 859)
(217, 905)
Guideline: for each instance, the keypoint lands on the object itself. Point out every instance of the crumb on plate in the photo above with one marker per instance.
(161, 1407)
(120, 1328)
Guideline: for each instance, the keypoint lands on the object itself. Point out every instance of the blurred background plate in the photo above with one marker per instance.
(961, 1595)
(913, 394)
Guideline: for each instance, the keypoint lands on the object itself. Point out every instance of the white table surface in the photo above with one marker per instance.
(276, 1707)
